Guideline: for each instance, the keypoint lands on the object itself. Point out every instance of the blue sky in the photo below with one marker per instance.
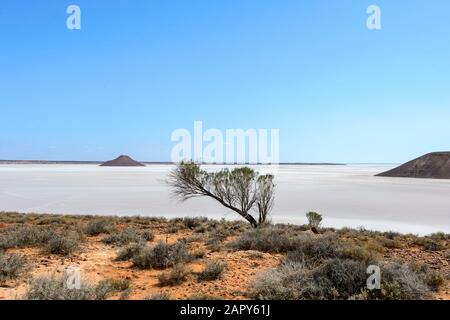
(137, 70)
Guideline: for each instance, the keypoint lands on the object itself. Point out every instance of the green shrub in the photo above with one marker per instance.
(432, 245)
(433, 279)
(116, 285)
(161, 256)
(199, 254)
(11, 266)
(127, 236)
(130, 251)
(314, 219)
(440, 236)
(63, 244)
(334, 279)
(213, 271)
(55, 288)
(25, 236)
(400, 282)
(98, 226)
(192, 223)
(269, 239)
(173, 277)
(314, 250)
(159, 296)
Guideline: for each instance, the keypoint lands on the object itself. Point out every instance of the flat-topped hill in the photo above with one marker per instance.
(434, 165)
(122, 161)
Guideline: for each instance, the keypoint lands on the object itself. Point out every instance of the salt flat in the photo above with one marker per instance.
(346, 195)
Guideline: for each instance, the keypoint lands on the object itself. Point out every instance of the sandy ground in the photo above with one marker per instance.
(96, 262)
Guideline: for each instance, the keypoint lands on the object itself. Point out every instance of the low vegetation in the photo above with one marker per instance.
(98, 226)
(128, 235)
(212, 271)
(11, 266)
(177, 275)
(161, 256)
(52, 287)
(304, 264)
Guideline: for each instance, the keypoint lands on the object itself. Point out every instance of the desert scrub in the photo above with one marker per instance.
(161, 256)
(159, 296)
(63, 244)
(314, 250)
(215, 239)
(212, 271)
(98, 226)
(269, 239)
(334, 279)
(128, 235)
(399, 282)
(130, 251)
(192, 223)
(25, 236)
(54, 288)
(199, 254)
(177, 275)
(112, 285)
(11, 266)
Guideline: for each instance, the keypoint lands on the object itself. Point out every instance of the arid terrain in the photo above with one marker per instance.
(197, 258)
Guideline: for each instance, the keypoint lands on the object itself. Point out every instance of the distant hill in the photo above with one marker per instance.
(434, 165)
(122, 161)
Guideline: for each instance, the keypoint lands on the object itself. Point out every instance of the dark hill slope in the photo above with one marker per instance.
(434, 165)
(122, 161)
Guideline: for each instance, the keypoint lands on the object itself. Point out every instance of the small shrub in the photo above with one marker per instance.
(433, 279)
(359, 253)
(25, 236)
(314, 250)
(173, 277)
(127, 236)
(159, 296)
(398, 282)
(213, 271)
(117, 285)
(269, 239)
(203, 296)
(98, 226)
(130, 251)
(432, 245)
(199, 254)
(175, 228)
(11, 266)
(440, 236)
(63, 244)
(335, 279)
(391, 235)
(216, 237)
(314, 219)
(192, 223)
(161, 256)
(390, 243)
(54, 288)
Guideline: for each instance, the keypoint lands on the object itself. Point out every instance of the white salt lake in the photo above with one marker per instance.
(345, 195)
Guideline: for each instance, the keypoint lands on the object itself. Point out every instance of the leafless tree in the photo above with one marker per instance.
(240, 189)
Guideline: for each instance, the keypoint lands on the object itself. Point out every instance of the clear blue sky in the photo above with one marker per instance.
(137, 70)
